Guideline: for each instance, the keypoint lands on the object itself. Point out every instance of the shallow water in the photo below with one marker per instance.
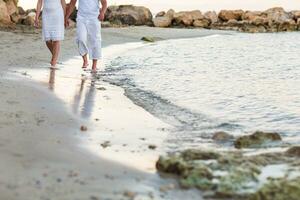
(237, 83)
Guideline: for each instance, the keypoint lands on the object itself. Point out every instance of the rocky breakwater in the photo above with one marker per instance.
(272, 20)
(11, 14)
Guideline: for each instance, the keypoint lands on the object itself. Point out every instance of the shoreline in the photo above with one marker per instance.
(51, 162)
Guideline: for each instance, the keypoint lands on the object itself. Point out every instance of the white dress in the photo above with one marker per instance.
(53, 20)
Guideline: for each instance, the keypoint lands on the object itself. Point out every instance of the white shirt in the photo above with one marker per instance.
(88, 9)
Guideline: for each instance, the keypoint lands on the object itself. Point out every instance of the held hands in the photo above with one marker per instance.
(36, 22)
(67, 23)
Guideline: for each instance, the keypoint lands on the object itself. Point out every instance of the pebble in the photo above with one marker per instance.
(152, 146)
(83, 128)
(129, 194)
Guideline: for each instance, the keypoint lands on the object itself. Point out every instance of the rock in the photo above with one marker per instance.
(279, 20)
(4, 14)
(257, 139)
(196, 154)
(201, 23)
(148, 39)
(211, 16)
(15, 17)
(172, 164)
(83, 128)
(129, 194)
(229, 175)
(129, 15)
(30, 11)
(249, 27)
(106, 144)
(226, 15)
(294, 151)
(12, 7)
(187, 18)
(295, 14)
(21, 11)
(160, 14)
(165, 20)
(233, 23)
(162, 22)
(222, 136)
(279, 189)
(250, 15)
(29, 20)
(152, 146)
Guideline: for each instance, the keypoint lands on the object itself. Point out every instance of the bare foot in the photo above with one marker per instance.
(85, 65)
(94, 70)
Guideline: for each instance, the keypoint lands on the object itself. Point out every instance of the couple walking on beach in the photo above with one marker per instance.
(55, 18)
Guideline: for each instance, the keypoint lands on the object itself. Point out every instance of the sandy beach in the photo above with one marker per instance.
(43, 152)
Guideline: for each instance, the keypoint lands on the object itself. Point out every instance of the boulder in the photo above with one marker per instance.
(226, 15)
(148, 39)
(211, 16)
(249, 27)
(295, 14)
(12, 7)
(257, 20)
(129, 15)
(15, 18)
(160, 14)
(29, 19)
(251, 15)
(279, 20)
(257, 139)
(162, 21)
(187, 18)
(21, 11)
(222, 136)
(294, 151)
(165, 20)
(30, 11)
(289, 25)
(4, 14)
(201, 23)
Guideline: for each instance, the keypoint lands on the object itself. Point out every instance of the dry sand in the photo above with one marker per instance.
(43, 153)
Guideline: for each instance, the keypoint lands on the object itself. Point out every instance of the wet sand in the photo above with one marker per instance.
(43, 152)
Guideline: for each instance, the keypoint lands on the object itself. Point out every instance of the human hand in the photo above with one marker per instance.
(36, 23)
(101, 17)
(67, 23)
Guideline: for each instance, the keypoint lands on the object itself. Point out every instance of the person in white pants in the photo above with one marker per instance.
(89, 19)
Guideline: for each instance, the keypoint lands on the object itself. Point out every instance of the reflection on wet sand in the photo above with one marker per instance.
(52, 79)
(89, 101)
(82, 105)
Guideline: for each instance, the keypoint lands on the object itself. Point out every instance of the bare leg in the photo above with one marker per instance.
(94, 67)
(85, 61)
(50, 46)
(56, 50)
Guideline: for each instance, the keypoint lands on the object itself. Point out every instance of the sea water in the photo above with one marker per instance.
(237, 83)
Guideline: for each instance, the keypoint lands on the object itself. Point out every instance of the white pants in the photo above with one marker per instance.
(89, 37)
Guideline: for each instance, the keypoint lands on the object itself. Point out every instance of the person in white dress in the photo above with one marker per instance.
(89, 17)
(53, 24)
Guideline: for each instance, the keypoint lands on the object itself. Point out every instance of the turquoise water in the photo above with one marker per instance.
(237, 83)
